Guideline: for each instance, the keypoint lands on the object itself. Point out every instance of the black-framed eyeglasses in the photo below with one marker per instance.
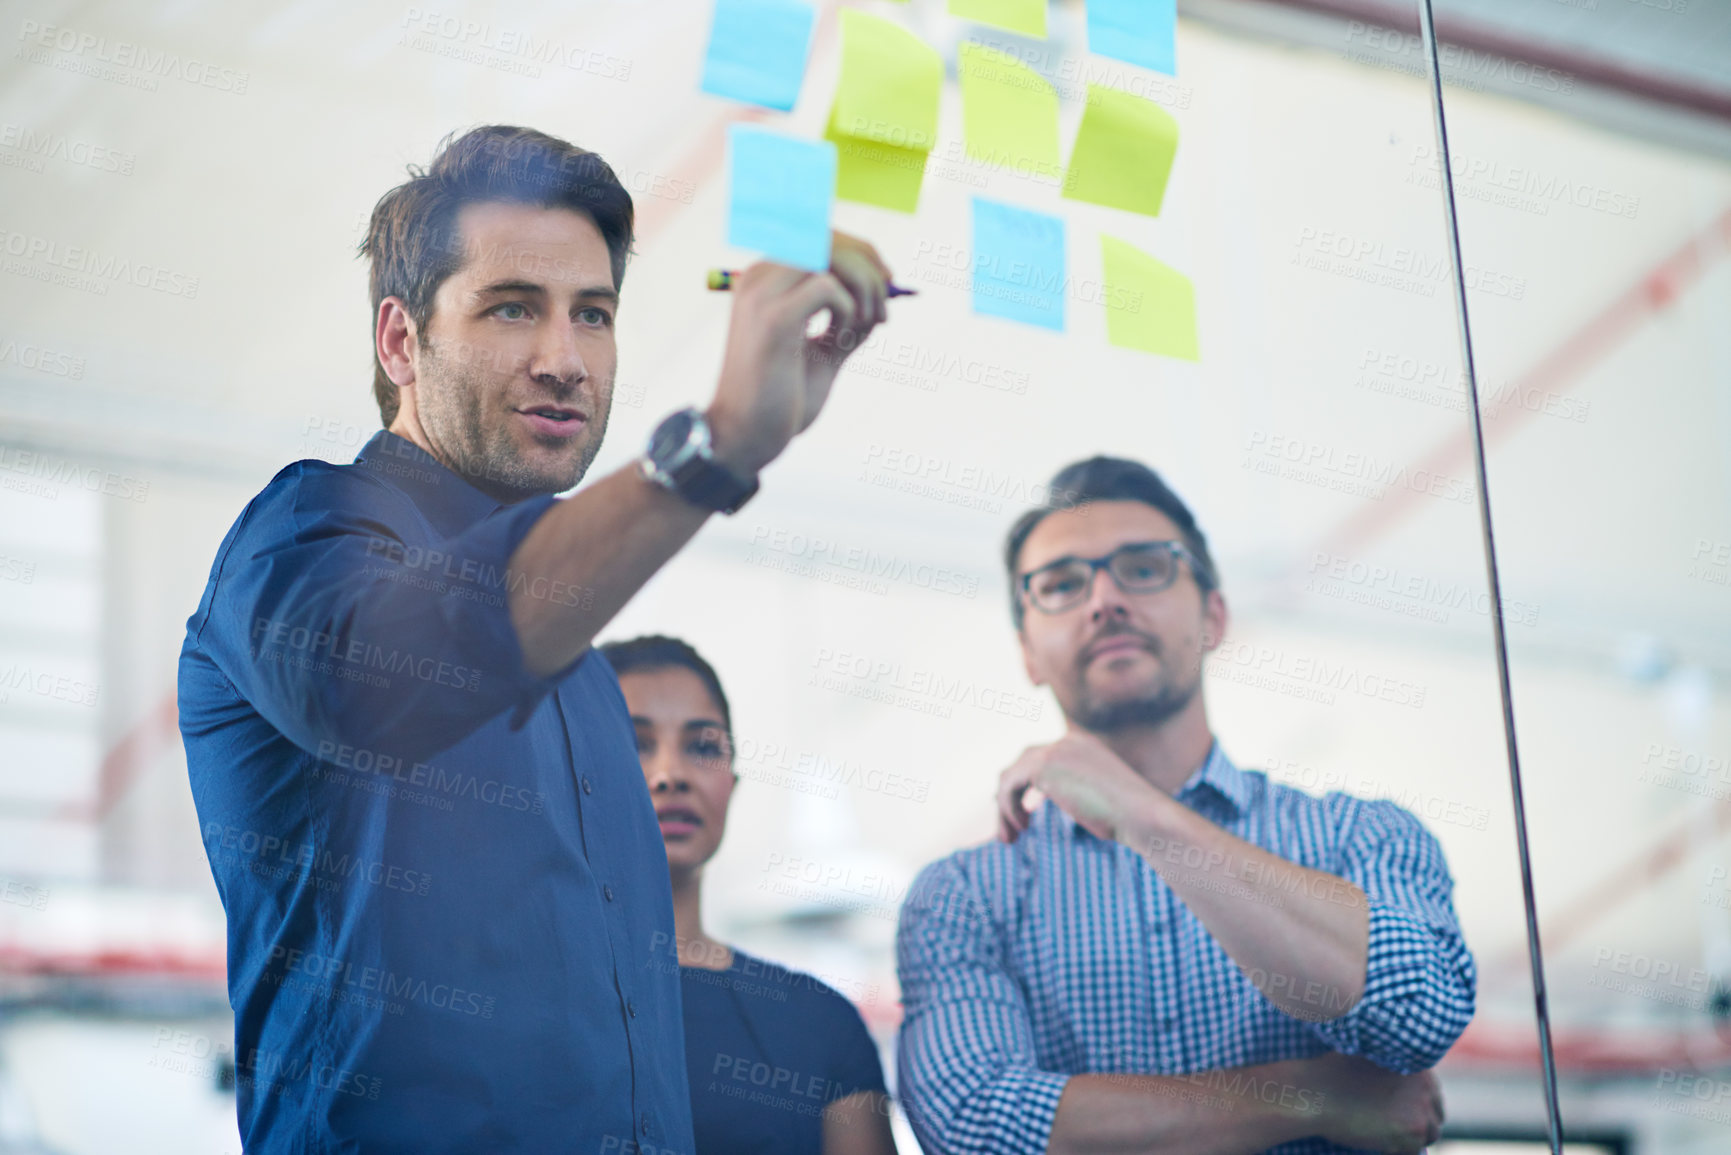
(1142, 567)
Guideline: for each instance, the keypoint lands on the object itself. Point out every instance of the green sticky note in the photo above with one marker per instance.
(1149, 306)
(890, 79)
(877, 174)
(885, 117)
(1009, 113)
(1123, 152)
(1025, 16)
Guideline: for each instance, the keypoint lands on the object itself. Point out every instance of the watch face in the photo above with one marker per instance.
(679, 460)
(670, 436)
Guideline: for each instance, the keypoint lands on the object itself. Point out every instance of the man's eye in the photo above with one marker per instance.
(513, 311)
(707, 749)
(594, 316)
(1059, 583)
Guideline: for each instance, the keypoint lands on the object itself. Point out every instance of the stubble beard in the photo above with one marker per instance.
(1167, 700)
(487, 456)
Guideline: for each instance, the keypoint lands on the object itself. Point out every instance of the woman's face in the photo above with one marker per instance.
(687, 760)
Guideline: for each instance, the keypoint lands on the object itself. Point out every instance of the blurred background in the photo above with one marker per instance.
(1322, 439)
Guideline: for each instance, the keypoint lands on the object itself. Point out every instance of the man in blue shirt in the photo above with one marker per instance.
(418, 786)
(1169, 954)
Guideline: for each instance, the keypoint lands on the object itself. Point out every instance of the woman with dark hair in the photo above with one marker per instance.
(779, 1062)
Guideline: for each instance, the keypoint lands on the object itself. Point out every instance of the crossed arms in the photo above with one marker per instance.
(1366, 965)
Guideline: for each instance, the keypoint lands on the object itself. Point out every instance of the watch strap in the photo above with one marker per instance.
(687, 466)
(707, 483)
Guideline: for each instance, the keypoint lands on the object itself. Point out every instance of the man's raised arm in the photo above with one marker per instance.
(1244, 1110)
(1371, 956)
(609, 539)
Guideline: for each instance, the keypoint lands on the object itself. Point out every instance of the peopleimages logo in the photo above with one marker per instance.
(1274, 668)
(82, 261)
(932, 468)
(776, 1079)
(352, 657)
(341, 976)
(923, 690)
(1655, 979)
(60, 687)
(1418, 595)
(52, 470)
(385, 773)
(23, 894)
(95, 52)
(70, 149)
(1541, 187)
(766, 758)
(481, 42)
(1072, 74)
(1466, 67)
(268, 1070)
(954, 266)
(1394, 266)
(270, 850)
(1434, 807)
(28, 356)
(454, 573)
(867, 563)
(1349, 471)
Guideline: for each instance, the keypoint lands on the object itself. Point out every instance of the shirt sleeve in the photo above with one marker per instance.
(341, 628)
(965, 1055)
(1420, 982)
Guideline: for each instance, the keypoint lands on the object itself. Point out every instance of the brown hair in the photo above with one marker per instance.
(413, 242)
(1108, 479)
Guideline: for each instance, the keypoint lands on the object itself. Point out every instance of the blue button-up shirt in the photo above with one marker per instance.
(1062, 954)
(442, 873)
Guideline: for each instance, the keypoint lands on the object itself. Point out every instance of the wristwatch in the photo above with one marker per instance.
(681, 459)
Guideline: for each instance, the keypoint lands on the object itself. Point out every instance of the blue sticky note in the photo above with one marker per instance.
(757, 51)
(1136, 31)
(1018, 264)
(780, 192)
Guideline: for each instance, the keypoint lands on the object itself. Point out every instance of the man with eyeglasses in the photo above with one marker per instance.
(1169, 953)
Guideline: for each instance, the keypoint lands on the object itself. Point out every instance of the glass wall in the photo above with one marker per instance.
(1607, 393)
(857, 610)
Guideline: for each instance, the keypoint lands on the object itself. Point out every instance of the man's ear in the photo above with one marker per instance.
(1214, 620)
(396, 341)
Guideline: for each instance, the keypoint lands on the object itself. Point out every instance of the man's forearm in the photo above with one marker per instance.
(1239, 1111)
(1301, 935)
(601, 545)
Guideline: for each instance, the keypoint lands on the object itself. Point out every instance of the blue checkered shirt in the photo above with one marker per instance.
(1062, 954)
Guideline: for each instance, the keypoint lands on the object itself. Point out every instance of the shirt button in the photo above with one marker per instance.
(646, 1122)
(588, 786)
(607, 893)
(631, 1007)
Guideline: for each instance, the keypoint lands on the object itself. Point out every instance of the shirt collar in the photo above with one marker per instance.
(450, 501)
(1217, 774)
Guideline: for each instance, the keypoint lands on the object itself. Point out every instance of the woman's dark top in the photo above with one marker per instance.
(768, 1048)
